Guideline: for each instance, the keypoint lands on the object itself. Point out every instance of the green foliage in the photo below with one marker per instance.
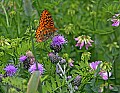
(19, 20)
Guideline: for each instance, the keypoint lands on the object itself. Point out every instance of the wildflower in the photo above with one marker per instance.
(22, 58)
(53, 57)
(104, 75)
(76, 87)
(77, 80)
(95, 64)
(33, 68)
(58, 40)
(84, 40)
(116, 20)
(62, 61)
(111, 87)
(69, 77)
(70, 61)
(10, 70)
(57, 43)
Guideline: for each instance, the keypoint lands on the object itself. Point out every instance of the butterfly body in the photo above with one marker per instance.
(46, 27)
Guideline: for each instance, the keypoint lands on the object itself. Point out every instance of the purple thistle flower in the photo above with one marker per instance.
(22, 58)
(84, 40)
(95, 64)
(10, 70)
(115, 20)
(58, 40)
(33, 68)
(104, 75)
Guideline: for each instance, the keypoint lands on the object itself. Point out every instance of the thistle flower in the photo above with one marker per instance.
(84, 40)
(77, 80)
(57, 43)
(53, 57)
(10, 70)
(95, 64)
(33, 68)
(116, 20)
(22, 58)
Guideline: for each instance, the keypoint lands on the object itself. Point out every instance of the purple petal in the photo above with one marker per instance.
(104, 75)
(116, 23)
(82, 44)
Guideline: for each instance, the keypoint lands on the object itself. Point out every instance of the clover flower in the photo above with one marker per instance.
(104, 75)
(70, 61)
(10, 70)
(116, 20)
(102, 71)
(95, 64)
(33, 68)
(84, 40)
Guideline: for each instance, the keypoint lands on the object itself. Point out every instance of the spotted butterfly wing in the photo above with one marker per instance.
(46, 27)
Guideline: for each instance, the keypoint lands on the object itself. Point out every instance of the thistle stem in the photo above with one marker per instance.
(33, 47)
(63, 72)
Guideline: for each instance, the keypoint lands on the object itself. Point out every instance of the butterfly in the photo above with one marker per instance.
(46, 27)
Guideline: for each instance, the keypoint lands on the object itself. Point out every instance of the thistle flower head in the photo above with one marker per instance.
(57, 43)
(10, 70)
(54, 58)
(22, 58)
(33, 68)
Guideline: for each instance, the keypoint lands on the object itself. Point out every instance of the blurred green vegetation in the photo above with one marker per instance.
(72, 18)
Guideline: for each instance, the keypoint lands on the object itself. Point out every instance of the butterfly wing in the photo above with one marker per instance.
(46, 27)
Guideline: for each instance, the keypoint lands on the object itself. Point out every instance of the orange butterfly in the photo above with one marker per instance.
(46, 27)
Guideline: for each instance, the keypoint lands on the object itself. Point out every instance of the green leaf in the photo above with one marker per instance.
(58, 81)
(33, 82)
(53, 83)
(48, 85)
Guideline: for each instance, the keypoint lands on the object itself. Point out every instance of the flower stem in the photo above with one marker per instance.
(5, 13)
(63, 72)
(33, 47)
